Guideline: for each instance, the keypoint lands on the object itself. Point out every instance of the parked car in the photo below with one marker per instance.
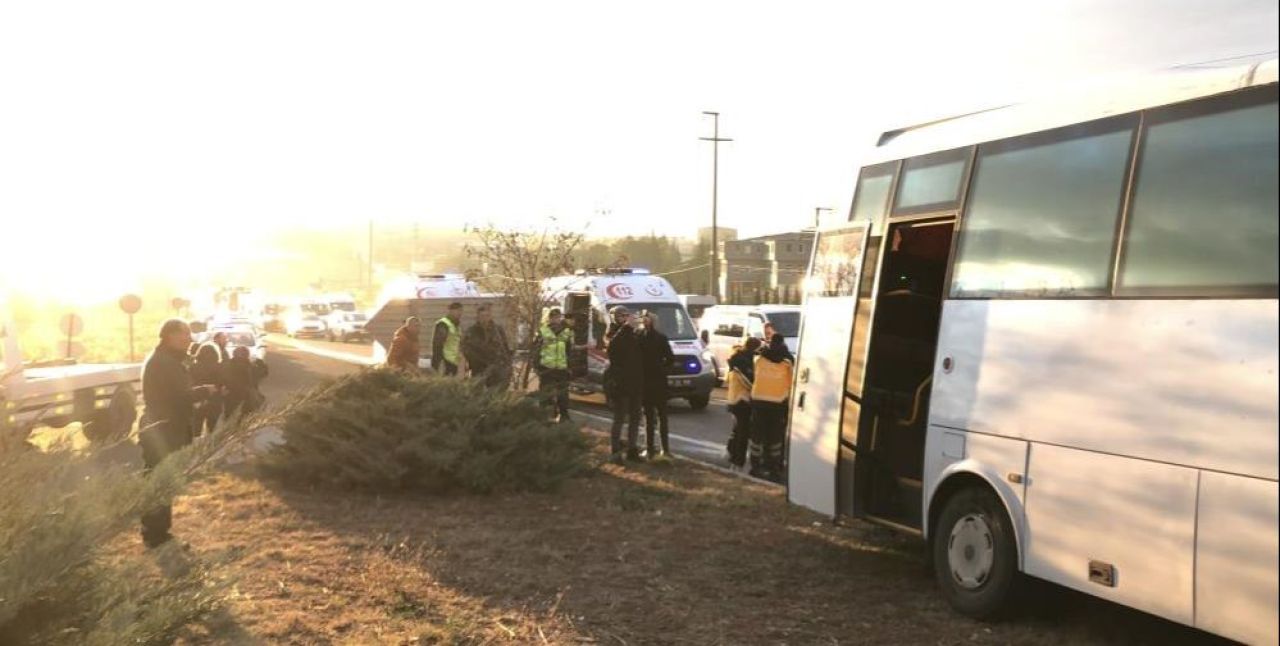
(305, 324)
(242, 338)
(345, 326)
(724, 326)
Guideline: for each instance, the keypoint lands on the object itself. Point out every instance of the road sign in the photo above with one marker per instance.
(71, 325)
(130, 303)
(70, 349)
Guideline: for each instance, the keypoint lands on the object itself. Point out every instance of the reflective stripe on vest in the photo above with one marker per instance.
(451, 342)
(555, 348)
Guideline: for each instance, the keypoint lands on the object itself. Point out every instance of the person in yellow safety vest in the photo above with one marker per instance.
(446, 342)
(742, 375)
(552, 349)
(769, 393)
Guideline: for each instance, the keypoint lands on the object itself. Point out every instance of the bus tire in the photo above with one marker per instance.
(699, 402)
(975, 555)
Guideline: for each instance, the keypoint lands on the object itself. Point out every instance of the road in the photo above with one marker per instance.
(297, 363)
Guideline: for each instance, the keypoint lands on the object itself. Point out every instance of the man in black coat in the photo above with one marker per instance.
(658, 358)
(167, 419)
(486, 349)
(624, 383)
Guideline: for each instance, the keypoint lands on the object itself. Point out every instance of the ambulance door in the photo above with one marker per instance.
(829, 311)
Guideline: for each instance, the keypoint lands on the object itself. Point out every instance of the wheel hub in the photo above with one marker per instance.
(971, 551)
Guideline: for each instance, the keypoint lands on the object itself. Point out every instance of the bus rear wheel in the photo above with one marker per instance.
(975, 555)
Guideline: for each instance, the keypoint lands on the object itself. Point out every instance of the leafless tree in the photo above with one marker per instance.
(514, 262)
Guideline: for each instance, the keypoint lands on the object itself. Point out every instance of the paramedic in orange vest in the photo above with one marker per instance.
(769, 394)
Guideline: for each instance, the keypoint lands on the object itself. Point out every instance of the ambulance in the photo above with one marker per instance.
(588, 295)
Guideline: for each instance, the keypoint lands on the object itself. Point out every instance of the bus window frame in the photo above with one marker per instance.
(877, 170)
(1040, 138)
(963, 153)
(1203, 106)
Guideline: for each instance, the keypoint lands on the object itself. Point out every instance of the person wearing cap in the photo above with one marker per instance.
(405, 346)
(446, 342)
(166, 425)
(624, 383)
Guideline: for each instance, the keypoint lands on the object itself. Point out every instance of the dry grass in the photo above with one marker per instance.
(638, 555)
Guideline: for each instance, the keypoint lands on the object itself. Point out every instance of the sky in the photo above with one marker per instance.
(132, 131)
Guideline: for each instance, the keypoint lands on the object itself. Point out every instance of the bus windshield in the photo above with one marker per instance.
(673, 321)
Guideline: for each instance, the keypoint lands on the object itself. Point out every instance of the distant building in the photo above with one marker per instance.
(765, 269)
(723, 234)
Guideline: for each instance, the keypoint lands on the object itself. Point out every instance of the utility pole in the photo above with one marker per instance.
(715, 140)
(817, 216)
(368, 278)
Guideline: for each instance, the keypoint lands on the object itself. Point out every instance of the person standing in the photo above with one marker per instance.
(624, 383)
(242, 385)
(166, 425)
(551, 347)
(446, 342)
(486, 350)
(742, 374)
(658, 358)
(207, 370)
(769, 393)
(220, 342)
(405, 346)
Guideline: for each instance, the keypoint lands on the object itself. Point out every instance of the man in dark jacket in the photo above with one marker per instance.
(485, 348)
(658, 358)
(624, 383)
(166, 422)
(208, 369)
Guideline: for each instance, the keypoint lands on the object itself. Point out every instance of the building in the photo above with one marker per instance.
(766, 269)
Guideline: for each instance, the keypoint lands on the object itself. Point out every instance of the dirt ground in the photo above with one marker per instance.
(649, 554)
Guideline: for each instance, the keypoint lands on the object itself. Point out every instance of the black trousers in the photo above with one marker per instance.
(769, 429)
(626, 407)
(740, 439)
(655, 417)
(207, 414)
(450, 369)
(554, 386)
(157, 442)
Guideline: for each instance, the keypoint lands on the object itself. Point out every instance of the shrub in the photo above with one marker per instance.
(61, 511)
(385, 430)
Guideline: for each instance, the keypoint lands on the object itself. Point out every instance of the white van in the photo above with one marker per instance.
(696, 304)
(724, 326)
(587, 297)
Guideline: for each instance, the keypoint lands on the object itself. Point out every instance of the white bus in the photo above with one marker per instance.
(1046, 342)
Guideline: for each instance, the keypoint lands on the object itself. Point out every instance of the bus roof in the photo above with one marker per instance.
(1087, 104)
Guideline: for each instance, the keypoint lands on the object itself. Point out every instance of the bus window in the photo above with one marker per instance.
(835, 265)
(1204, 212)
(1041, 216)
(871, 198)
(931, 183)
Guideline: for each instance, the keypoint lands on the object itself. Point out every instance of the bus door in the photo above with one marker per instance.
(578, 309)
(816, 403)
(889, 436)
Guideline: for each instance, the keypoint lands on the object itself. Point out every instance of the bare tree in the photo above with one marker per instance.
(514, 262)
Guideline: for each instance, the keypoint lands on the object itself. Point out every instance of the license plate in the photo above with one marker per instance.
(682, 382)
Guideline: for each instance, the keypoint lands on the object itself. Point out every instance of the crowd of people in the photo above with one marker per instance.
(481, 351)
(187, 388)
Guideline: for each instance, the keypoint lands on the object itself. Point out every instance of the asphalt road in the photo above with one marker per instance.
(296, 364)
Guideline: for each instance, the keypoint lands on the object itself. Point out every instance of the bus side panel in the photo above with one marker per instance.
(995, 459)
(1190, 382)
(1135, 516)
(1236, 558)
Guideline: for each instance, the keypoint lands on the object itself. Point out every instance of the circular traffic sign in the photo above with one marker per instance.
(71, 324)
(130, 303)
